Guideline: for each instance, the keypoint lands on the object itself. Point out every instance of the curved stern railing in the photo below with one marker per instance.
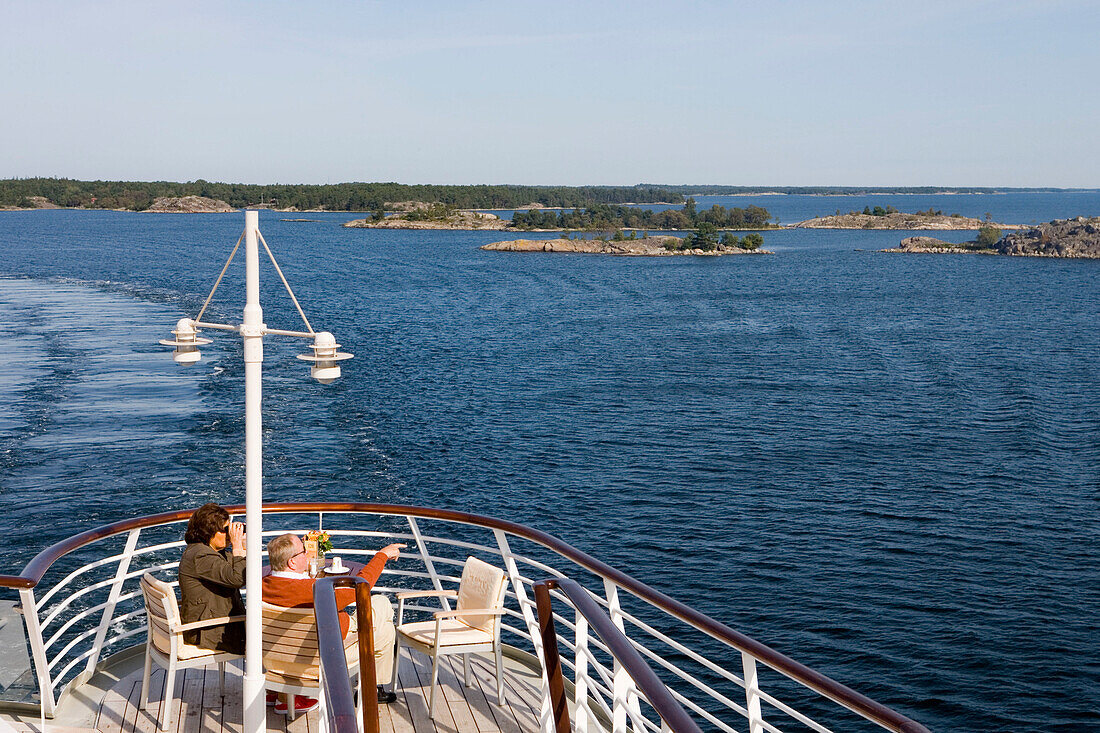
(80, 602)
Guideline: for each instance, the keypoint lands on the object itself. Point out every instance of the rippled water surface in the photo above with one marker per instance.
(885, 466)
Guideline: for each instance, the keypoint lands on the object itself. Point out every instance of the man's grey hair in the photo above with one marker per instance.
(280, 550)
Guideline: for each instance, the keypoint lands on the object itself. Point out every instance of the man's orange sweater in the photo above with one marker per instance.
(298, 592)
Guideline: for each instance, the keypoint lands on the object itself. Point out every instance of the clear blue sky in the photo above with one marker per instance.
(784, 93)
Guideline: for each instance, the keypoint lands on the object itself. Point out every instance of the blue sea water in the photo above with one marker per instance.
(886, 466)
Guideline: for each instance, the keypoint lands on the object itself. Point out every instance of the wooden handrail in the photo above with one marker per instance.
(814, 680)
(672, 713)
(335, 681)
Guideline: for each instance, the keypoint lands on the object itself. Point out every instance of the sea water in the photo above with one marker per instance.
(886, 466)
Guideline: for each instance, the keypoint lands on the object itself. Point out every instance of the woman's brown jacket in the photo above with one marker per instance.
(210, 583)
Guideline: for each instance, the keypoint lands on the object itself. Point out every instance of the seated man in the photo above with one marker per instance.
(289, 585)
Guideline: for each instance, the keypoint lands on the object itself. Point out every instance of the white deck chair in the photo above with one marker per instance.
(165, 645)
(473, 627)
(291, 659)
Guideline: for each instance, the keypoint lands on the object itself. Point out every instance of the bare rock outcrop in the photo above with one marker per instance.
(41, 202)
(189, 205)
(1078, 238)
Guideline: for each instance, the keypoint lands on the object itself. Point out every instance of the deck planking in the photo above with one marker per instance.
(198, 708)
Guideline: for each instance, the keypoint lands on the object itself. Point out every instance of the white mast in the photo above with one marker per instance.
(324, 368)
(252, 330)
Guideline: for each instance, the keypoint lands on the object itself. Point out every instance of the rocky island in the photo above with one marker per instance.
(656, 246)
(1068, 238)
(896, 220)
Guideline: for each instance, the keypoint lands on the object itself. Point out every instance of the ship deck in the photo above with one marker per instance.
(109, 703)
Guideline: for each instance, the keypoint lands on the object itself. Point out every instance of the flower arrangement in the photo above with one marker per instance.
(317, 542)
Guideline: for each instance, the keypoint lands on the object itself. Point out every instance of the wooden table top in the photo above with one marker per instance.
(352, 566)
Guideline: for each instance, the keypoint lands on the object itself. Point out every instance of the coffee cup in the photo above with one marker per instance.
(337, 563)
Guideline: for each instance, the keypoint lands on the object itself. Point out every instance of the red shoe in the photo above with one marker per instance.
(272, 698)
(302, 704)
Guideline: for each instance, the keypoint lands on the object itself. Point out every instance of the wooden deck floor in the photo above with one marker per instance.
(199, 708)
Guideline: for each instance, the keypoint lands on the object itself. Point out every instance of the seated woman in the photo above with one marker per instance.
(211, 579)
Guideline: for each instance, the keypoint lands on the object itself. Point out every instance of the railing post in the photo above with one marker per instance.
(112, 600)
(322, 702)
(625, 692)
(427, 558)
(546, 716)
(38, 651)
(550, 658)
(368, 675)
(752, 694)
(580, 675)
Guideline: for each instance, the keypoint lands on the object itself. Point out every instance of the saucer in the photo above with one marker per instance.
(334, 571)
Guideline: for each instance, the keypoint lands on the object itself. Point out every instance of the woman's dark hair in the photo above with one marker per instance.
(207, 521)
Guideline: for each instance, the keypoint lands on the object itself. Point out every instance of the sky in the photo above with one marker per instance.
(959, 93)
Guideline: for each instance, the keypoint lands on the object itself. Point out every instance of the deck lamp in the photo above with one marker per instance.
(324, 357)
(324, 369)
(186, 342)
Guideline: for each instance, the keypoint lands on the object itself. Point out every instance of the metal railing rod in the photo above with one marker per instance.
(88, 653)
(77, 617)
(372, 533)
(335, 681)
(127, 634)
(659, 697)
(444, 541)
(693, 681)
(59, 679)
(60, 656)
(600, 695)
(695, 656)
(702, 712)
(606, 683)
(773, 729)
(784, 707)
(45, 599)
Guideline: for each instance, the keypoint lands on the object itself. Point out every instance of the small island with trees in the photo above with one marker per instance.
(705, 240)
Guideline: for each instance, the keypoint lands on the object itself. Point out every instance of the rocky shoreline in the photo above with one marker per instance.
(646, 247)
(931, 245)
(1062, 238)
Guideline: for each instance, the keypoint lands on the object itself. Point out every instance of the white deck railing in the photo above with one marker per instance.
(93, 608)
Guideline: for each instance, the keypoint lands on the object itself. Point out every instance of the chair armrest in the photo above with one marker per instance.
(471, 611)
(206, 622)
(426, 593)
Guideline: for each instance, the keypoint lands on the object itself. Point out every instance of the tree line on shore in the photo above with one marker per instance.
(714, 190)
(607, 216)
(139, 195)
